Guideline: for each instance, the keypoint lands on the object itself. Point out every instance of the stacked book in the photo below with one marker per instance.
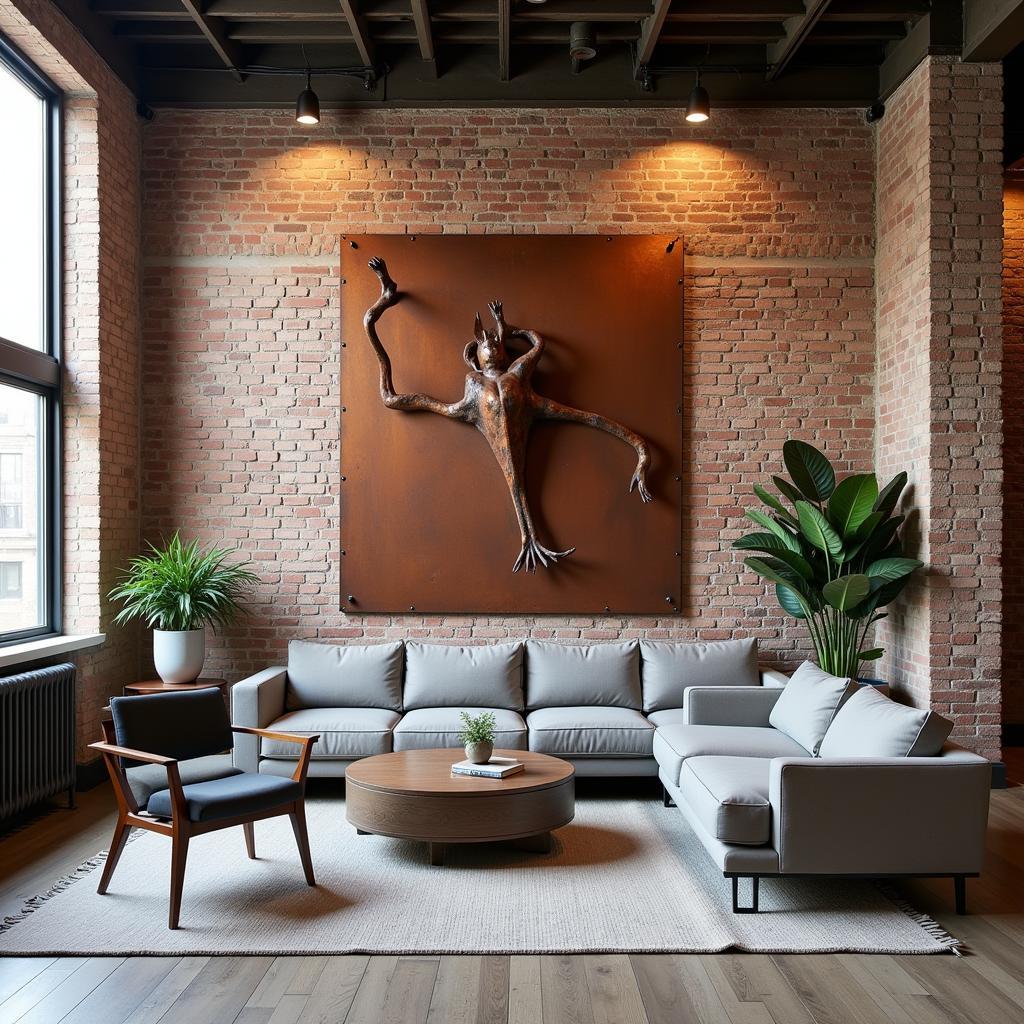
(496, 768)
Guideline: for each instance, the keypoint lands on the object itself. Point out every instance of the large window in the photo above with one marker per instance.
(29, 351)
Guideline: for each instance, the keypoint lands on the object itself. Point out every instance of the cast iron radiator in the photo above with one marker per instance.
(37, 737)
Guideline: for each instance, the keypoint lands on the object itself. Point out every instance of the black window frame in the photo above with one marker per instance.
(40, 372)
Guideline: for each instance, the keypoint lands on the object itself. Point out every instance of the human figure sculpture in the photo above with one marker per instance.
(500, 402)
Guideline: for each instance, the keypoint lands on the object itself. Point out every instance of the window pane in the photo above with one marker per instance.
(22, 212)
(22, 572)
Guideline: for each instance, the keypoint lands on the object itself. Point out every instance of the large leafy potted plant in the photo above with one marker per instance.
(178, 590)
(833, 551)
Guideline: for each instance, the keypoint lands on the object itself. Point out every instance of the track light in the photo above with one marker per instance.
(698, 106)
(582, 41)
(307, 106)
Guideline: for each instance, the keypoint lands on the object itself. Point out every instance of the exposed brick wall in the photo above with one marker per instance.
(1013, 452)
(100, 341)
(243, 212)
(939, 399)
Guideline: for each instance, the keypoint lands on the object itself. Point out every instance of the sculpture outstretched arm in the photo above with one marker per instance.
(392, 399)
(552, 410)
(523, 366)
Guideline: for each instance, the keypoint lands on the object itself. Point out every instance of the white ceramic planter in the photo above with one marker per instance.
(179, 654)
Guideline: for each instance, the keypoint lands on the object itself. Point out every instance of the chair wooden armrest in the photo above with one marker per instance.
(302, 768)
(132, 755)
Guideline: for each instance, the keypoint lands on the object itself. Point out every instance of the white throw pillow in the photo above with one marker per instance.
(871, 725)
(808, 704)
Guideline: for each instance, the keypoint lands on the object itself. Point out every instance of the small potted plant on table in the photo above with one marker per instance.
(478, 736)
(178, 590)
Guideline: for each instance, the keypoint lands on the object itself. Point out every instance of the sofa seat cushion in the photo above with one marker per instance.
(244, 793)
(430, 728)
(590, 732)
(670, 716)
(147, 779)
(345, 733)
(673, 744)
(729, 797)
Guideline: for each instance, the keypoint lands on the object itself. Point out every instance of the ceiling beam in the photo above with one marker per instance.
(939, 33)
(117, 53)
(504, 39)
(360, 33)
(229, 52)
(992, 28)
(797, 29)
(649, 32)
(421, 16)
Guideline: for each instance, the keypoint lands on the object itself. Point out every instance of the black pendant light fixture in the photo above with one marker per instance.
(698, 106)
(307, 106)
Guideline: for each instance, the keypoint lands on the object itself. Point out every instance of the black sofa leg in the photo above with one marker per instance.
(666, 799)
(736, 908)
(960, 888)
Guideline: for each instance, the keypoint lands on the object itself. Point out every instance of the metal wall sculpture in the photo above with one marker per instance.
(500, 402)
(426, 520)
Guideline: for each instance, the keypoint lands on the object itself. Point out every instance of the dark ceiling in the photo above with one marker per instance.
(823, 52)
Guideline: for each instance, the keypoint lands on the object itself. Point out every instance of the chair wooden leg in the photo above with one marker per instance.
(179, 855)
(122, 830)
(250, 839)
(298, 817)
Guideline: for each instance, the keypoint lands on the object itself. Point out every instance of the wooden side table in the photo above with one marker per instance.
(159, 686)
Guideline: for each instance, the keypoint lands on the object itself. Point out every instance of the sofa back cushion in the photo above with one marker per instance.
(446, 676)
(808, 704)
(578, 675)
(871, 725)
(344, 676)
(668, 669)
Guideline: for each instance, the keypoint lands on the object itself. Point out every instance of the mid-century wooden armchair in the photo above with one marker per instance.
(184, 735)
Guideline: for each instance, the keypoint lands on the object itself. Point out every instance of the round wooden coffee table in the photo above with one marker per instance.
(413, 795)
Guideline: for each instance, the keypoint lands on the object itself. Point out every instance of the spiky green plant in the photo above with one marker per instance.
(477, 728)
(182, 586)
(835, 557)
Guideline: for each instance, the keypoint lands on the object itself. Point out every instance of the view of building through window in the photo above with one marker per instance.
(21, 594)
(22, 198)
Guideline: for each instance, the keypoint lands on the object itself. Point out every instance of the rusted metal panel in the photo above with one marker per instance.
(427, 524)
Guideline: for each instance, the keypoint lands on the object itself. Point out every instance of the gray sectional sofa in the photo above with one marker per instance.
(811, 775)
(596, 705)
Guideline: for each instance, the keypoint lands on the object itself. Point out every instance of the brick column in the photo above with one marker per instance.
(939, 347)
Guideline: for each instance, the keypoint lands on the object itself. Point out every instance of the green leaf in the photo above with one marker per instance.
(777, 572)
(815, 527)
(852, 502)
(787, 489)
(890, 569)
(757, 516)
(846, 592)
(774, 504)
(796, 562)
(761, 542)
(873, 655)
(811, 471)
(790, 601)
(890, 494)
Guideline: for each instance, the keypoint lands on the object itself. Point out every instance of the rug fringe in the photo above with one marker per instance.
(33, 903)
(956, 946)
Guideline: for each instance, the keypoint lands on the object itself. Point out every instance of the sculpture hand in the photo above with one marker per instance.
(639, 482)
(533, 553)
(388, 288)
(496, 312)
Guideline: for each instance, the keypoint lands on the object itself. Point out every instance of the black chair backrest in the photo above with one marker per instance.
(182, 724)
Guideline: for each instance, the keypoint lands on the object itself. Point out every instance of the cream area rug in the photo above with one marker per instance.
(626, 875)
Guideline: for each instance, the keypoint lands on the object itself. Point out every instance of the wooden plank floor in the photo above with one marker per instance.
(984, 987)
